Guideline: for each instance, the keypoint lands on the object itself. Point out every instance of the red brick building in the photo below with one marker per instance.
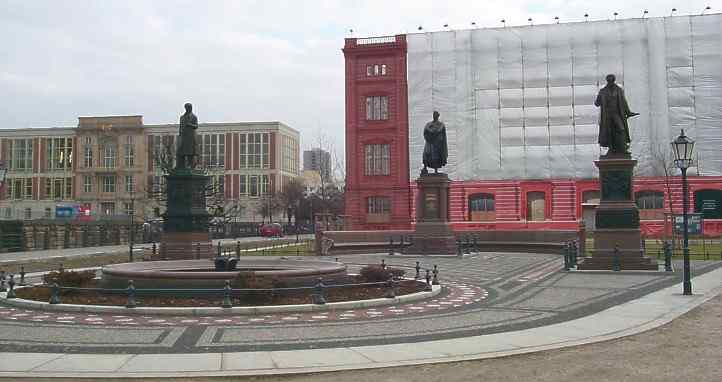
(380, 185)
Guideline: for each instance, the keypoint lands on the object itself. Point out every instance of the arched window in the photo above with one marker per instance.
(535, 205)
(650, 204)
(481, 207)
(649, 200)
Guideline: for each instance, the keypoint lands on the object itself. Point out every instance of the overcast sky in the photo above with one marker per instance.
(234, 60)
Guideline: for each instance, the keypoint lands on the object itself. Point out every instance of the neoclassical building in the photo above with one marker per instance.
(107, 166)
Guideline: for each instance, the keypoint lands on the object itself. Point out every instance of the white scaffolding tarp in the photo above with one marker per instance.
(518, 102)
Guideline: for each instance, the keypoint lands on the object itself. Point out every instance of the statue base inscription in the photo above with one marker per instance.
(617, 220)
(433, 234)
(185, 222)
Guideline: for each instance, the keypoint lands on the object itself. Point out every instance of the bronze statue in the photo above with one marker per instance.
(435, 149)
(613, 127)
(186, 149)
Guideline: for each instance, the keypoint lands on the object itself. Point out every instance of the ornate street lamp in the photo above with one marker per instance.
(682, 147)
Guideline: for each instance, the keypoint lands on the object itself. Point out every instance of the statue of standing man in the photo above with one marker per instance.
(614, 111)
(186, 149)
(435, 149)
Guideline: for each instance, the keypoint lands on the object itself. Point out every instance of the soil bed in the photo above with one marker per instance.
(213, 300)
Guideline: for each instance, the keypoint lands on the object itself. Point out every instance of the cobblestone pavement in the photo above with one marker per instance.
(482, 294)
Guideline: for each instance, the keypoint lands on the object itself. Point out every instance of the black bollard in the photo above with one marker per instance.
(418, 270)
(319, 295)
(565, 253)
(436, 276)
(60, 268)
(154, 249)
(390, 292)
(2, 282)
(219, 252)
(428, 288)
(130, 290)
(667, 256)
(459, 251)
(54, 294)
(238, 249)
(616, 266)
(383, 264)
(11, 287)
(22, 275)
(475, 244)
(467, 245)
(227, 295)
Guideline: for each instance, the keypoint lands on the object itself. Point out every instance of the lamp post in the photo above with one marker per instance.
(682, 148)
(130, 225)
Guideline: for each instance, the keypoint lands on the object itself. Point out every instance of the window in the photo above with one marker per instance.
(20, 188)
(242, 185)
(28, 213)
(264, 185)
(218, 184)
(59, 153)
(254, 150)
(253, 185)
(107, 208)
(58, 188)
(290, 154)
(376, 70)
(377, 159)
(649, 200)
(21, 154)
(129, 152)
(650, 204)
(8, 212)
(213, 150)
(163, 150)
(109, 154)
(377, 108)
(129, 185)
(48, 213)
(87, 183)
(87, 152)
(128, 208)
(378, 209)
(481, 207)
(535, 205)
(108, 182)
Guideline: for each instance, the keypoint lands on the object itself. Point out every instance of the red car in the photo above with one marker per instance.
(271, 230)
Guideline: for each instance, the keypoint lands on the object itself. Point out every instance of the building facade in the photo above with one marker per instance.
(521, 124)
(108, 167)
(317, 160)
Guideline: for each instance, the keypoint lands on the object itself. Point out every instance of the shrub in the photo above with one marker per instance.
(375, 273)
(76, 279)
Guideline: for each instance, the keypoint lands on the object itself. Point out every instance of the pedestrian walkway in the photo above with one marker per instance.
(13, 257)
(632, 317)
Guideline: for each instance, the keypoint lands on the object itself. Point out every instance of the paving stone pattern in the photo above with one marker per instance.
(483, 293)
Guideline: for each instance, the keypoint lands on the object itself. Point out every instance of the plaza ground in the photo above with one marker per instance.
(687, 349)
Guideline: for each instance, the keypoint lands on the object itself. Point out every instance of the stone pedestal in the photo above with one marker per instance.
(185, 222)
(617, 220)
(433, 234)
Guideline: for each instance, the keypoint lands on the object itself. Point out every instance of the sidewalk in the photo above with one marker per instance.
(633, 317)
(12, 257)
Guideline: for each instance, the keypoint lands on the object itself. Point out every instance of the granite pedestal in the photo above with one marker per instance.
(433, 234)
(617, 238)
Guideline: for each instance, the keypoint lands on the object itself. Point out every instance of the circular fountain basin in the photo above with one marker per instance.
(202, 274)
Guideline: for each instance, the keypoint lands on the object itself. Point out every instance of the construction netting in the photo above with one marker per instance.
(518, 102)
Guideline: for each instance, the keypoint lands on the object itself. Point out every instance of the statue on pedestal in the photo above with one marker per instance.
(614, 111)
(186, 149)
(435, 149)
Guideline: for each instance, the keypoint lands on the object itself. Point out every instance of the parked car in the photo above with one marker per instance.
(271, 230)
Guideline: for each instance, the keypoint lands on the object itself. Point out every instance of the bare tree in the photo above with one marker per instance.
(291, 196)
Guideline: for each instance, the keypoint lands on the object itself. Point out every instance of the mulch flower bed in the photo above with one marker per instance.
(257, 299)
